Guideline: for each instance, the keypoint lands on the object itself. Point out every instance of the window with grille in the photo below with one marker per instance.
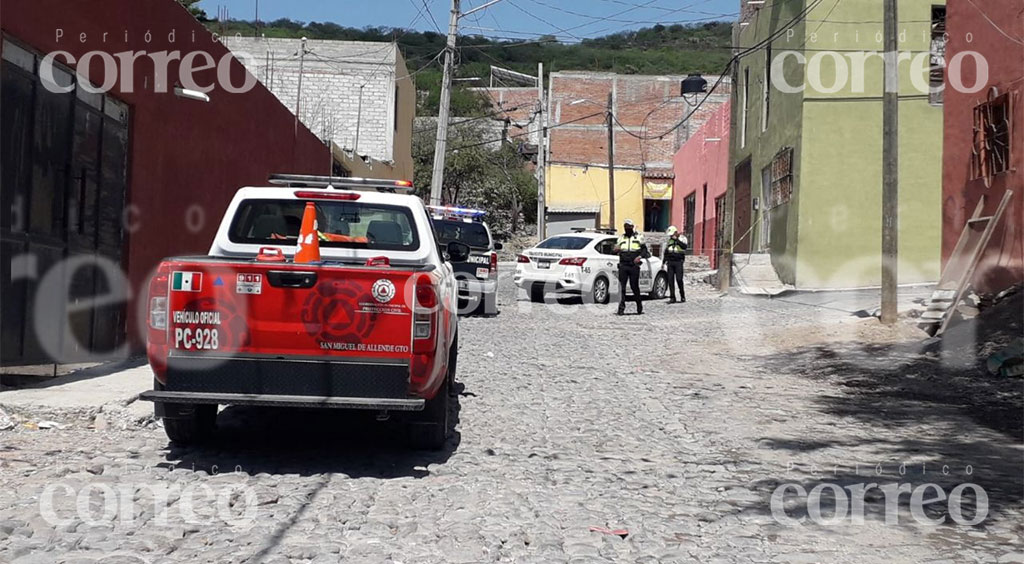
(993, 121)
(937, 67)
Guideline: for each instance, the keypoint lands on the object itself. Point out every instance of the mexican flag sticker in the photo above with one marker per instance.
(187, 281)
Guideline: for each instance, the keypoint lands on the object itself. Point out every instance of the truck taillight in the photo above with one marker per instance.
(494, 266)
(158, 301)
(573, 261)
(424, 316)
(158, 312)
(522, 258)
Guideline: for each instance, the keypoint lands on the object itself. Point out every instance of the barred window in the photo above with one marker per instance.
(993, 134)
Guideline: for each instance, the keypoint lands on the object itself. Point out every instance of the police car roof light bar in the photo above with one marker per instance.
(453, 211)
(343, 183)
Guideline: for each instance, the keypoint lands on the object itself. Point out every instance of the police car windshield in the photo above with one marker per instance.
(353, 225)
(565, 242)
(470, 233)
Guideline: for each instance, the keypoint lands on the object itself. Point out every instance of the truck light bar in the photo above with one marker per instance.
(344, 183)
(450, 211)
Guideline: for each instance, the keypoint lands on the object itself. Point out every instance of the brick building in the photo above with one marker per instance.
(518, 107)
(701, 180)
(983, 153)
(355, 94)
(648, 112)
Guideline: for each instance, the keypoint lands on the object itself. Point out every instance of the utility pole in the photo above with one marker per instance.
(541, 151)
(890, 167)
(298, 92)
(445, 106)
(611, 163)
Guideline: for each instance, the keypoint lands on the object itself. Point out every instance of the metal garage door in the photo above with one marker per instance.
(64, 177)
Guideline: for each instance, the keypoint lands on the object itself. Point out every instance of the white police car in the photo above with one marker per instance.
(584, 263)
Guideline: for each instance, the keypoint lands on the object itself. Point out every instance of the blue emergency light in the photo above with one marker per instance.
(451, 212)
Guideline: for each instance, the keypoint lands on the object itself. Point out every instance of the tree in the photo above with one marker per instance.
(196, 11)
(479, 172)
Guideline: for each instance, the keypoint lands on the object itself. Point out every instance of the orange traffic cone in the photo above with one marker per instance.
(309, 243)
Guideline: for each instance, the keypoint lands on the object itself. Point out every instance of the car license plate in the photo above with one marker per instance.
(545, 264)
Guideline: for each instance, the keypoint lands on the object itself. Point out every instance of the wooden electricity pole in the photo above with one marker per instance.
(541, 153)
(890, 167)
(611, 163)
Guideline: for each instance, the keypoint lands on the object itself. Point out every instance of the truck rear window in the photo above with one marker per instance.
(470, 233)
(352, 225)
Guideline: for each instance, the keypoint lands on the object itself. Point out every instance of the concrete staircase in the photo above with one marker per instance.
(753, 274)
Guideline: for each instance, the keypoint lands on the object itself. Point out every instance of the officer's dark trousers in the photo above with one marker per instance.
(629, 273)
(675, 276)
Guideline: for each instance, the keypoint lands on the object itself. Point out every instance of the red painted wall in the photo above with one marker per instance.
(1003, 261)
(701, 160)
(187, 157)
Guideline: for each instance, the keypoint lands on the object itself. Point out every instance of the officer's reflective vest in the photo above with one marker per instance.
(630, 243)
(674, 245)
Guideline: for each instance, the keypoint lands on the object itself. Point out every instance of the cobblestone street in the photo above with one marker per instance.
(667, 432)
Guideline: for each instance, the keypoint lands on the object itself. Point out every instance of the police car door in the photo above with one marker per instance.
(646, 275)
(607, 262)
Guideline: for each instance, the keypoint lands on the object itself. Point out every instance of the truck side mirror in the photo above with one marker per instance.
(458, 252)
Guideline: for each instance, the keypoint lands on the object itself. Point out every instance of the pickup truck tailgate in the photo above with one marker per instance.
(290, 311)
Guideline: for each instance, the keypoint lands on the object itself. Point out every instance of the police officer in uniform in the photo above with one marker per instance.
(675, 254)
(632, 249)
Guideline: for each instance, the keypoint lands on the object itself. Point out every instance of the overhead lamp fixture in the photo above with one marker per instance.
(691, 86)
(191, 94)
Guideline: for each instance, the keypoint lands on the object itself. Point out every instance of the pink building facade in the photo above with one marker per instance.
(701, 167)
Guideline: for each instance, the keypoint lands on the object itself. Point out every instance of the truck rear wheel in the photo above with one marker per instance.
(191, 424)
(428, 429)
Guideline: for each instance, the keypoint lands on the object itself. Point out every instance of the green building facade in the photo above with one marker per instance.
(806, 148)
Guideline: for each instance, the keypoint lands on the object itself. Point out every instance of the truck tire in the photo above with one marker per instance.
(192, 426)
(453, 365)
(428, 429)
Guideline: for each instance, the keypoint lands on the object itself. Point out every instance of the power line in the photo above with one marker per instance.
(993, 24)
(635, 22)
(429, 14)
(534, 16)
(523, 134)
(735, 59)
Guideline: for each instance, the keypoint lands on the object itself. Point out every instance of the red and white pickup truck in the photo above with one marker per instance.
(373, 325)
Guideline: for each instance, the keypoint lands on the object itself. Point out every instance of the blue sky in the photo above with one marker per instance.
(569, 20)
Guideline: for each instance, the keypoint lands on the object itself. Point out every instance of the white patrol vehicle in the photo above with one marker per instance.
(584, 263)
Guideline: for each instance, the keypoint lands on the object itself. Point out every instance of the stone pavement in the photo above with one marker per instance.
(675, 427)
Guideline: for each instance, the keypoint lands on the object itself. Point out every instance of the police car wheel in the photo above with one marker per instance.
(660, 288)
(599, 292)
(537, 293)
(488, 305)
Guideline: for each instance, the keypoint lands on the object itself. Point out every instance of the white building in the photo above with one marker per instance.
(356, 94)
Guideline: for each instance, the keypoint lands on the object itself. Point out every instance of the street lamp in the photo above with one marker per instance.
(191, 94)
(691, 86)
